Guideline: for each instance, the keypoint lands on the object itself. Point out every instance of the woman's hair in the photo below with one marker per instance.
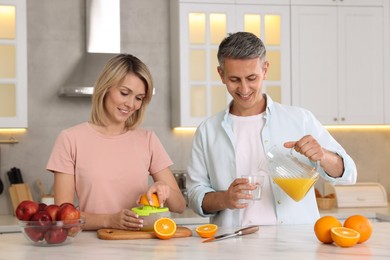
(113, 74)
(241, 45)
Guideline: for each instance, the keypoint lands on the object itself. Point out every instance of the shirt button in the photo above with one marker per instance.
(279, 202)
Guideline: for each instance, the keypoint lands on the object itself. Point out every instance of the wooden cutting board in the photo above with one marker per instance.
(118, 234)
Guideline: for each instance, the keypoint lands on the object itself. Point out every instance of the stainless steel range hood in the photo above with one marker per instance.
(103, 43)
(85, 74)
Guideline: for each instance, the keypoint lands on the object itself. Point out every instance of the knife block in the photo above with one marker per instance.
(18, 193)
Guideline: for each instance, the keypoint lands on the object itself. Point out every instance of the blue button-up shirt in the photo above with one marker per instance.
(212, 165)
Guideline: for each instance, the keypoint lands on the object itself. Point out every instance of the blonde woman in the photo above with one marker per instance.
(106, 162)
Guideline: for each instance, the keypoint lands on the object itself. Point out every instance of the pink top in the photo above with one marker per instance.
(110, 171)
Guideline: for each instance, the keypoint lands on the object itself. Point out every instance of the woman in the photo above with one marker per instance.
(106, 162)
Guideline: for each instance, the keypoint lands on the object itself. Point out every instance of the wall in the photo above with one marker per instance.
(56, 44)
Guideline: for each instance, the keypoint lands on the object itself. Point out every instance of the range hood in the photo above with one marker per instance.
(103, 43)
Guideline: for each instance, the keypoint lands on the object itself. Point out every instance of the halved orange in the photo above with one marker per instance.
(164, 228)
(207, 230)
(144, 200)
(344, 237)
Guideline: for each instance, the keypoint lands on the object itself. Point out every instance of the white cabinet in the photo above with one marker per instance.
(338, 59)
(197, 28)
(13, 64)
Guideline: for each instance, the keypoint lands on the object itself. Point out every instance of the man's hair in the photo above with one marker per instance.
(241, 45)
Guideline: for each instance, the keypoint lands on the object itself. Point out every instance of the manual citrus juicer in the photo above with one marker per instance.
(150, 212)
(290, 174)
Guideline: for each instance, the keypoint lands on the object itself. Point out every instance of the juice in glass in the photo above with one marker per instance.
(296, 188)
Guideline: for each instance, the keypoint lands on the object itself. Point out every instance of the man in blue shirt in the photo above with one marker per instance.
(234, 142)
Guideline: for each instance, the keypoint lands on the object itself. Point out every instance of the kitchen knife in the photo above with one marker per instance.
(240, 232)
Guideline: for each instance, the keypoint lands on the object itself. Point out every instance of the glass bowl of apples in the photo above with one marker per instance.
(49, 225)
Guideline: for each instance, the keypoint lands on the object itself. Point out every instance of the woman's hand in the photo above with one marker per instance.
(125, 219)
(162, 190)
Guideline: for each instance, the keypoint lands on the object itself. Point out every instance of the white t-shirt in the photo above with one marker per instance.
(250, 159)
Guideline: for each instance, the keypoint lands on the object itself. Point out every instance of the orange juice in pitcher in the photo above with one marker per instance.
(291, 175)
(296, 188)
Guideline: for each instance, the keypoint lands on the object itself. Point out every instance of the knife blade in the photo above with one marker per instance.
(240, 232)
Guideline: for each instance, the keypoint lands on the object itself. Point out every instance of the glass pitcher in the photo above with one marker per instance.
(292, 176)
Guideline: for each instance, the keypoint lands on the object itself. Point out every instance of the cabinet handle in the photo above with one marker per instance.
(343, 119)
(335, 119)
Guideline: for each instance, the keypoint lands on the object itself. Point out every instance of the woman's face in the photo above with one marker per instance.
(124, 99)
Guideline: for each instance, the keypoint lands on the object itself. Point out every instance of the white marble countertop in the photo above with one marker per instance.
(270, 242)
(8, 223)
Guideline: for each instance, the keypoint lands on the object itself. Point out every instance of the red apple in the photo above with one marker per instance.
(56, 235)
(41, 206)
(34, 233)
(26, 209)
(42, 218)
(52, 210)
(68, 212)
(66, 203)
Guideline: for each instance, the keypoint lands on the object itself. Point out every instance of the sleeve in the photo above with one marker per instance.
(328, 142)
(159, 159)
(198, 181)
(62, 158)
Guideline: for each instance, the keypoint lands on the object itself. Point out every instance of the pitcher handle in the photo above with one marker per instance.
(317, 163)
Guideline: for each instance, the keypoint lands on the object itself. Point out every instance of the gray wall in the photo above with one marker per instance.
(56, 44)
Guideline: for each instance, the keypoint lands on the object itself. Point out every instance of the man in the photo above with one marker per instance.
(234, 142)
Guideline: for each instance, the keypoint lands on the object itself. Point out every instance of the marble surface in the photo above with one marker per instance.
(270, 242)
(9, 223)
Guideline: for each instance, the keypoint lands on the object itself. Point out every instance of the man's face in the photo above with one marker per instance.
(244, 80)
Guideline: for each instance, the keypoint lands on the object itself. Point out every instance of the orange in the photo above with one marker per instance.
(323, 226)
(144, 200)
(344, 237)
(164, 228)
(207, 230)
(360, 224)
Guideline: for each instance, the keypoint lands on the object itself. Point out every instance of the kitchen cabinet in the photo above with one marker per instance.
(197, 28)
(13, 64)
(339, 59)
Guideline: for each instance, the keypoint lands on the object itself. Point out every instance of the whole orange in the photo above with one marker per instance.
(323, 226)
(144, 200)
(360, 224)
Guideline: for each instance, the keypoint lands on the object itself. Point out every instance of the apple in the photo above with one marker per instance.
(26, 209)
(68, 211)
(52, 210)
(41, 206)
(56, 235)
(42, 218)
(34, 233)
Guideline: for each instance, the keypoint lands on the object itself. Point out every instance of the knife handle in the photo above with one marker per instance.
(247, 230)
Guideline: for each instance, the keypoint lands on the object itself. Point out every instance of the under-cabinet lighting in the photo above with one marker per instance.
(9, 132)
(358, 127)
(329, 127)
(12, 130)
(184, 129)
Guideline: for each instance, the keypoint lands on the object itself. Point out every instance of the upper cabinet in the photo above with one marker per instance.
(13, 64)
(197, 28)
(339, 59)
